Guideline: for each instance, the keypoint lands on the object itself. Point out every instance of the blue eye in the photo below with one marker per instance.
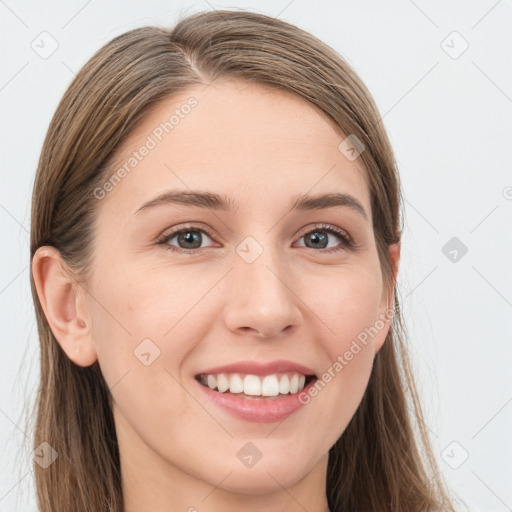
(190, 238)
(319, 238)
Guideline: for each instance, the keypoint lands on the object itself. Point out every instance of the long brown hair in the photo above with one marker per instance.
(383, 462)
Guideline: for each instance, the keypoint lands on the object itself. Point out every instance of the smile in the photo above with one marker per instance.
(250, 385)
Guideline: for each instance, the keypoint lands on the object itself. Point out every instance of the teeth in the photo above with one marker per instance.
(254, 385)
(294, 383)
(236, 384)
(212, 381)
(284, 385)
(222, 383)
(270, 386)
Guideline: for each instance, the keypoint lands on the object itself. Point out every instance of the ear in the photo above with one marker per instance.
(388, 295)
(63, 306)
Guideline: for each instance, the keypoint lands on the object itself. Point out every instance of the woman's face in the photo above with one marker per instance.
(256, 282)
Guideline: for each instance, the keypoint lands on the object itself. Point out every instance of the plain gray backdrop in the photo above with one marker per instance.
(441, 75)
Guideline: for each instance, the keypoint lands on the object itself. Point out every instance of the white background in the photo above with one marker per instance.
(450, 123)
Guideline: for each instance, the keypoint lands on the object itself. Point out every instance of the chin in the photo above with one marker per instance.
(265, 476)
(259, 481)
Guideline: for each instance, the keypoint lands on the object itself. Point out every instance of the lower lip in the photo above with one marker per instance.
(258, 410)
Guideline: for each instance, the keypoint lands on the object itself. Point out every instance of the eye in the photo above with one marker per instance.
(188, 238)
(319, 238)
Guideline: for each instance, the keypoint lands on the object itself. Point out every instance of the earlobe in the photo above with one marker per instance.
(64, 311)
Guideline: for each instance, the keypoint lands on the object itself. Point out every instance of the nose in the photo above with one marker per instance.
(261, 301)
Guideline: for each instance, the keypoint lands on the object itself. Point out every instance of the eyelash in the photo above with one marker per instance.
(346, 242)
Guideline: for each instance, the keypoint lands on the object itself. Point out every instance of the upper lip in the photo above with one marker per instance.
(255, 368)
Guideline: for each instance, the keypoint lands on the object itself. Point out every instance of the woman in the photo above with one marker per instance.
(215, 243)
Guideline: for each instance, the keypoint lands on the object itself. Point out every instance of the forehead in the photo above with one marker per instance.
(240, 139)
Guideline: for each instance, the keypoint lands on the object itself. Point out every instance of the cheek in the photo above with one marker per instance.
(145, 324)
(143, 337)
(348, 305)
(137, 302)
(350, 318)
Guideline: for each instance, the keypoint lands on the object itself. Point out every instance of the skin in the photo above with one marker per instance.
(178, 450)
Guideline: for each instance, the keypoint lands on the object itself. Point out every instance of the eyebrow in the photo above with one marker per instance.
(212, 201)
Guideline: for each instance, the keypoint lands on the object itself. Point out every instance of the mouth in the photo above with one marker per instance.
(257, 398)
(257, 391)
(248, 386)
